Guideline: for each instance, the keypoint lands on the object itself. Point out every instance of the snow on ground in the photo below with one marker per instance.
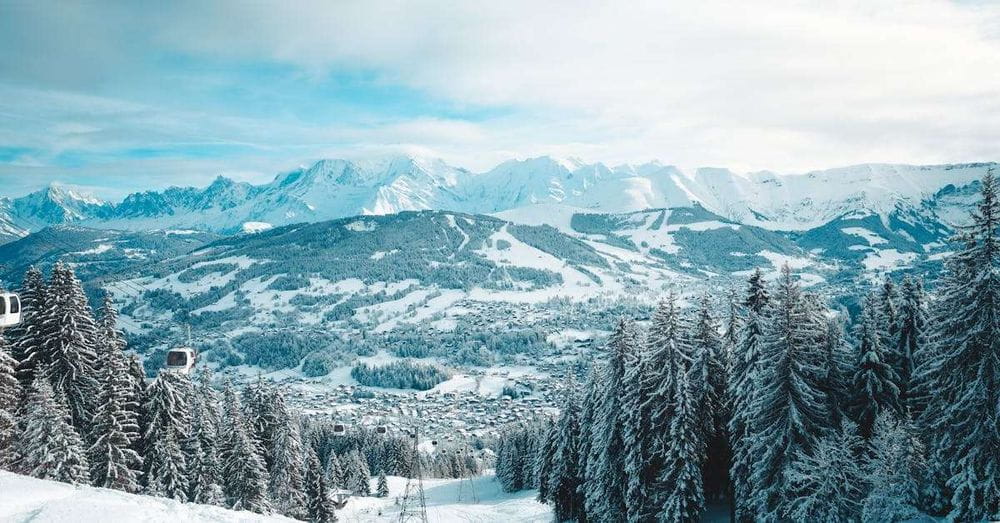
(444, 505)
(888, 259)
(255, 227)
(870, 237)
(778, 260)
(101, 248)
(24, 499)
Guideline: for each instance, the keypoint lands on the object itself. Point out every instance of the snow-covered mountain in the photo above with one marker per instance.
(331, 189)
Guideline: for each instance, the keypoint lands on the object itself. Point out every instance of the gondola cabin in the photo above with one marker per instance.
(381, 430)
(181, 360)
(339, 429)
(10, 310)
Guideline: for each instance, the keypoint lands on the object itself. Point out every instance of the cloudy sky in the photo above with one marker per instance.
(121, 96)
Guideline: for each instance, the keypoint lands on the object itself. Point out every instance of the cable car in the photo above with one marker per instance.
(381, 430)
(10, 309)
(181, 360)
(339, 429)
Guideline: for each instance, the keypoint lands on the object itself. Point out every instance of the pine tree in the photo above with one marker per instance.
(888, 328)
(335, 472)
(166, 470)
(912, 341)
(10, 397)
(681, 478)
(874, 380)
(826, 480)
(29, 336)
(319, 504)
(741, 389)
(962, 373)
(206, 485)
(262, 419)
(892, 470)
(543, 461)
(712, 363)
(137, 398)
(244, 473)
(789, 409)
(110, 355)
(69, 336)
(566, 476)
(382, 490)
(606, 477)
(287, 487)
(49, 447)
(113, 463)
(839, 364)
(647, 405)
(357, 476)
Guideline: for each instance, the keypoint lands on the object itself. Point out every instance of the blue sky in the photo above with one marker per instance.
(122, 96)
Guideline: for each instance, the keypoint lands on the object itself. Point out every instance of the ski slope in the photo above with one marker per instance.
(24, 499)
(444, 505)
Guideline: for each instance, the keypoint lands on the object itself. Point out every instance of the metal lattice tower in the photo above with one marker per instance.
(414, 506)
(466, 484)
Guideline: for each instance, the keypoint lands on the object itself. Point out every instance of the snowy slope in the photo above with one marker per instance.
(24, 499)
(445, 505)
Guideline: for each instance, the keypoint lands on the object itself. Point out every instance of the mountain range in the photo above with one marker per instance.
(331, 189)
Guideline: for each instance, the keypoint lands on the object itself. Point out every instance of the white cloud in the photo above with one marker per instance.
(751, 85)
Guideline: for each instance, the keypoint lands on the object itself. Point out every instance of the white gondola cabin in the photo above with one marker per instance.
(10, 310)
(181, 360)
(339, 429)
(381, 430)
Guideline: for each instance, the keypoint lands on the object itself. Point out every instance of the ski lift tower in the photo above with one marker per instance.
(414, 505)
(466, 483)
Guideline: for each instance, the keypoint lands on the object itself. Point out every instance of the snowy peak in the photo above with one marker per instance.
(337, 188)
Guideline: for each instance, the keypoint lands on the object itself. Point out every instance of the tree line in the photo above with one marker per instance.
(779, 412)
(76, 408)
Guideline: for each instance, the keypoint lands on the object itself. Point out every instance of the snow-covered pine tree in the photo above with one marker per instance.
(206, 485)
(962, 373)
(287, 487)
(357, 474)
(893, 468)
(10, 398)
(888, 316)
(69, 336)
(110, 354)
(165, 467)
(745, 365)
(543, 461)
(874, 382)
(839, 363)
(49, 447)
(912, 341)
(28, 335)
(789, 408)
(334, 472)
(825, 482)
(319, 504)
(566, 475)
(510, 461)
(382, 489)
(647, 406)
(137, 397)
(113, 463)
(681, 477)
(262, 420)
(588, 410)
(606, 476)
(639, 434)
(712, 363)
(244, 474)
